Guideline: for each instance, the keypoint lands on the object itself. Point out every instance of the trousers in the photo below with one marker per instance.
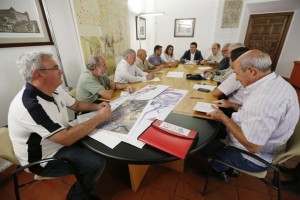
(230, 157)
(88, 165)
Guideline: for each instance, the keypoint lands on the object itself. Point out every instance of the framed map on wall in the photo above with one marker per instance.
(103, 28)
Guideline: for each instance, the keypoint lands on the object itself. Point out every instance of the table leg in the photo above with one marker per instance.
(177, 165)
(137, 173)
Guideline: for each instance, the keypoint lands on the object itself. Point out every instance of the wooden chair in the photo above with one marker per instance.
(292, 149)
(7, 153)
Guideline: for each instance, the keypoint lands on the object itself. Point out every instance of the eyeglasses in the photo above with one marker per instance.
(46, 69)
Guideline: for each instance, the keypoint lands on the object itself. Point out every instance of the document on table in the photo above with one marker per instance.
(203, 107)
(203, 68)
(154, 79)
(209, 87)
(175, 74)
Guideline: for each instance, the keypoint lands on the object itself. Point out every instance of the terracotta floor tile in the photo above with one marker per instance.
(155, 194)
(125, 193)
(253, 183)
(163, 179)
(246, 194)
(220, 190)
(159, 184)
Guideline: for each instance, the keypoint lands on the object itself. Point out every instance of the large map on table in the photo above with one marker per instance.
(103, 27)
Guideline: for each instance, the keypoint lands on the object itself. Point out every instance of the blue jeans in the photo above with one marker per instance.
(230, 157)
(88, 165)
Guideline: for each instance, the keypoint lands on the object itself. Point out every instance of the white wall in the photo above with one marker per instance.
(205, 12)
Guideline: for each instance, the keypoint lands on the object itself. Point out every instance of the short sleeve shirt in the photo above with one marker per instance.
(89, 86)
(32, 118)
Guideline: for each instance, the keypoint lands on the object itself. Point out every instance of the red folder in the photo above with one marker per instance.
(169, 138)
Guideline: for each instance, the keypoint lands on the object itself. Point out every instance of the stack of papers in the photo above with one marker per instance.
(209, 87)
(175, 74)
(203, 107)
(204, 68)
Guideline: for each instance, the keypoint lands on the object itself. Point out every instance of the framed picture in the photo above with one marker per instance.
(23, 23)
(184, 27)
(140, 28)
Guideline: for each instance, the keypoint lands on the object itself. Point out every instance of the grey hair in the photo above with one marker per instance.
(261, 61)
(126, 52)
(30, 62)
(92, 61)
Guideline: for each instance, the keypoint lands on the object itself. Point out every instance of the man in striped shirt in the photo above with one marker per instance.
(266, 119)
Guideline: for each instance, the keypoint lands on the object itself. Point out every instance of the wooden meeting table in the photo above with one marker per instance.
(139, 160)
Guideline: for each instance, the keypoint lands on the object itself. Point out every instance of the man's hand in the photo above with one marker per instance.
(150, 76)
(217, 114)
(128, 89)
(222, 103)
(207, 74)
(105, 113)
(103, 105)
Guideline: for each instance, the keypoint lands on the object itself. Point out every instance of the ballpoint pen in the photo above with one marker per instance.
(196, 98)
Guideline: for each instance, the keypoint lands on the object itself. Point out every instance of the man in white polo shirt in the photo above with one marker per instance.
(265, 121)
(38, 124)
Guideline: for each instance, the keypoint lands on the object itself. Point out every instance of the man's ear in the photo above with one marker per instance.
(252, 70)
(36, 74)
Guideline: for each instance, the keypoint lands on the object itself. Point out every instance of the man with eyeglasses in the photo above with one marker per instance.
(39, 129)
(93, 83)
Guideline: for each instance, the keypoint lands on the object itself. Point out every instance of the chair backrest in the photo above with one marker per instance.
(73, 93)
(292, 147)
(6, 148)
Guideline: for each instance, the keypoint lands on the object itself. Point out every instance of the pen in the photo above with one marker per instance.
(201, 83)
(196, 98)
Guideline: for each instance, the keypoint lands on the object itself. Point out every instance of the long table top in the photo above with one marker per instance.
(185, 107)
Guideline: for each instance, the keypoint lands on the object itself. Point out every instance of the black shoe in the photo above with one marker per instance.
(233, 173)
(218, 176)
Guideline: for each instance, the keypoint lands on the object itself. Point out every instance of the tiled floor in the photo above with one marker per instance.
(159, 184)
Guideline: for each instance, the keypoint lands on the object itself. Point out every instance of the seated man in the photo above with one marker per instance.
(192, 55)
(38, 124)
(93, 83)
(231, 87)
(128, 72)
(215, 57)
(224, 63)
(265, 122)
(221, 75)
(143, 63)
(155, 58)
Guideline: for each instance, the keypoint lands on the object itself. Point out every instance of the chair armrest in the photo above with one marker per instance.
(248, 154)
(22, 168)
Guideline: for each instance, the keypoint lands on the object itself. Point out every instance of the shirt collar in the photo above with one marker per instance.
(33, 90)
(260, 82)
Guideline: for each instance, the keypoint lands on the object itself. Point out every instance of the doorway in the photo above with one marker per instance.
(267, 32)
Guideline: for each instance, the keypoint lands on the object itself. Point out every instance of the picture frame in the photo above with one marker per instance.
(140, 28)
(27, 26)
(184, 27)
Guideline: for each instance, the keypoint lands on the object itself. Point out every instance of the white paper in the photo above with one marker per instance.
(190, 63)
(175, 74)
(204, 68)
(148, 92)
(154, 79)
(105, 138)
(203, 107)
(209, 87)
